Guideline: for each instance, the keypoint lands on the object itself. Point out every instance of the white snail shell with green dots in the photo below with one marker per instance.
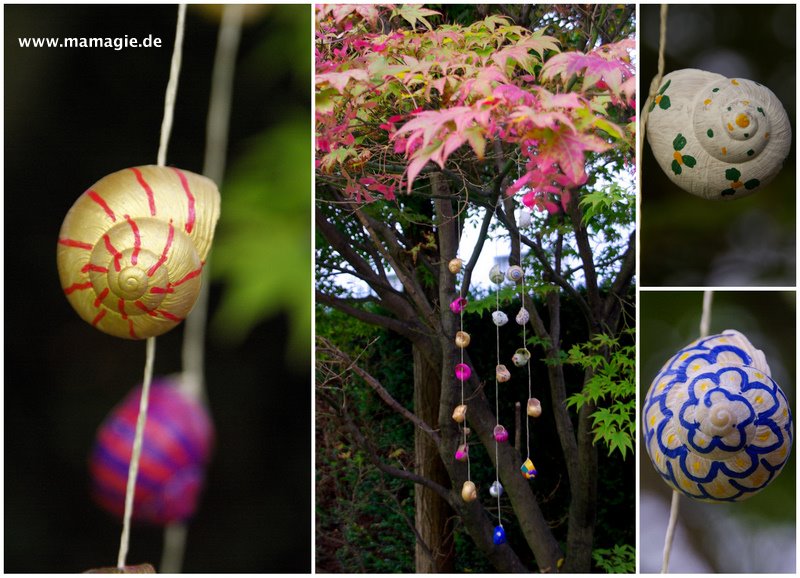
(716, 426)
(132, 248)
(717, 137)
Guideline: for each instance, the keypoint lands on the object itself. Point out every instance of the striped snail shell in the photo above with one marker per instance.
(716, 427)
(178, 438)
(469, 493)
(515, 273)
(455, 265)
(131, 249)
(717, 137)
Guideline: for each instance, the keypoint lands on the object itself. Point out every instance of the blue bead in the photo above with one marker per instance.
(499, 535)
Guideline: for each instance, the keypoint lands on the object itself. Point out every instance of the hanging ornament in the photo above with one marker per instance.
(716, 137)
(460, 413)
(462, 453)
(131, 249)
(462, 339)
(496, 489)
(499, 318)
(463, 371)
(716, 426)
(496, 275)
(177, 443)
(502, 374)
(458, 305)
(534, 408)
(523, 316)
(499, 536)
(521, 357)
(500, 433)
(515, 273)
(528, 470)
(469, 492)
(455, 265)
(524, 218)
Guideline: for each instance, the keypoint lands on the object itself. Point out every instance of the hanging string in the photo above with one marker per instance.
(524, 343)
(497, 404)
(133, 469)
(461, 349)
(705, 324)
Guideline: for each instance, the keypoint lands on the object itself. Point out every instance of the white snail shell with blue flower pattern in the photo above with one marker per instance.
(716, 427)
(717, 137)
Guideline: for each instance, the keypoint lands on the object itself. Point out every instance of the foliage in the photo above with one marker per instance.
(387, 104)
(611, 386)
(621, 559)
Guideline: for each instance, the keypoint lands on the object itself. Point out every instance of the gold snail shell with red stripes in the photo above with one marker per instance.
(131, 249)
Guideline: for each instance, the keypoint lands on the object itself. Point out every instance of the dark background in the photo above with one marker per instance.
(690, 241)
(72, 116)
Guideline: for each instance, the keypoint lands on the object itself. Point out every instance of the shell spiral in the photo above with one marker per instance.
(176, 447)
(716, 426)
(717, 137)
(131, 249)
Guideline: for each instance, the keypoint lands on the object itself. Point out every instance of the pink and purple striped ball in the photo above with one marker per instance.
(178, 438)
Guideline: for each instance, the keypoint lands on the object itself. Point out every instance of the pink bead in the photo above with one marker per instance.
(177, 444)
(463, 371)
(458, 305)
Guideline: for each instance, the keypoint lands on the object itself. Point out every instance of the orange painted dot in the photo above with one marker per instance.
(736, 184)
(730, 127)
(743, 120)
(734, 82)
(707, 101)
(724, 150)
(678, 157)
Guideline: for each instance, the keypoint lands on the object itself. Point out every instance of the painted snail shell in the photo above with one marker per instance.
(499, 318)
(523, 316)
(460, 413)
(515, 273)
(496, 489)
(716, 427)
(455, 265)
(496, 276)
(534, 407)
(131, 249)
(521, 357)
(177, 443)
(469, 493)
(462, 339)
(717, 137)
(502, 373)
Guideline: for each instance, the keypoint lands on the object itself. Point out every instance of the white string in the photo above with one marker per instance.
(141, 420)
(530, 393)
(497, 401)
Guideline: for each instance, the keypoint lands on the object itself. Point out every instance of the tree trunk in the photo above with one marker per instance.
(434, 550)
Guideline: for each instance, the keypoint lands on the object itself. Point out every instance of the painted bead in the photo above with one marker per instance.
(521, 357)
(460, 413)
(534, 408)
(716, 426)
(499, 318)
(177, 443)
(716, 137)
(462, 339)
(455, 265)
(458, 305)
(502, 373)
(500, 434)
(463, 371)
(469, 493)
(499, 536)
(523, 316)
(462, 453)
(496, 275)
(515, 273)
(496, 489)
(528, 469)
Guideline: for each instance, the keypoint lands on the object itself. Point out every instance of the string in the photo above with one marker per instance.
(461, 328)
(497, 403)
(141, 420)
(705, 324)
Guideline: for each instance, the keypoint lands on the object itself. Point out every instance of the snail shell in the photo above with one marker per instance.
(515, 273)
(521, 357)
(496, 489)
(462, 453)
(717, 137)
(178, 438)
(460, 413)
(528, 469)
(455, 265)
(500, 434)
(716, 427)
(534, 408)
(469, 493)
(499, 318)
(131, 249)
(499, 536)
(502, 374)
(523, 316)
(462, 339)
(496, 276)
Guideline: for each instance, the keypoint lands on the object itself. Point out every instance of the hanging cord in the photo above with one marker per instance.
(654, 86)
(461, 328)
(497, 402)
(705, 323)
(530, 391)
(133, 469)
(192, 381)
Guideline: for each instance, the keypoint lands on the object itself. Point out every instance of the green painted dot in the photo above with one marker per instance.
(715, 90)
(746, 135)
(732, 174)
(729, 108)
(751, 152)
(710, 133)
(761, 110)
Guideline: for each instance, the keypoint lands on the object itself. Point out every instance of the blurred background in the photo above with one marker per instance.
(75, 115)
(758, 534)
(689, 241)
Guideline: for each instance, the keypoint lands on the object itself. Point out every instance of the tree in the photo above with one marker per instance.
(423, 125)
